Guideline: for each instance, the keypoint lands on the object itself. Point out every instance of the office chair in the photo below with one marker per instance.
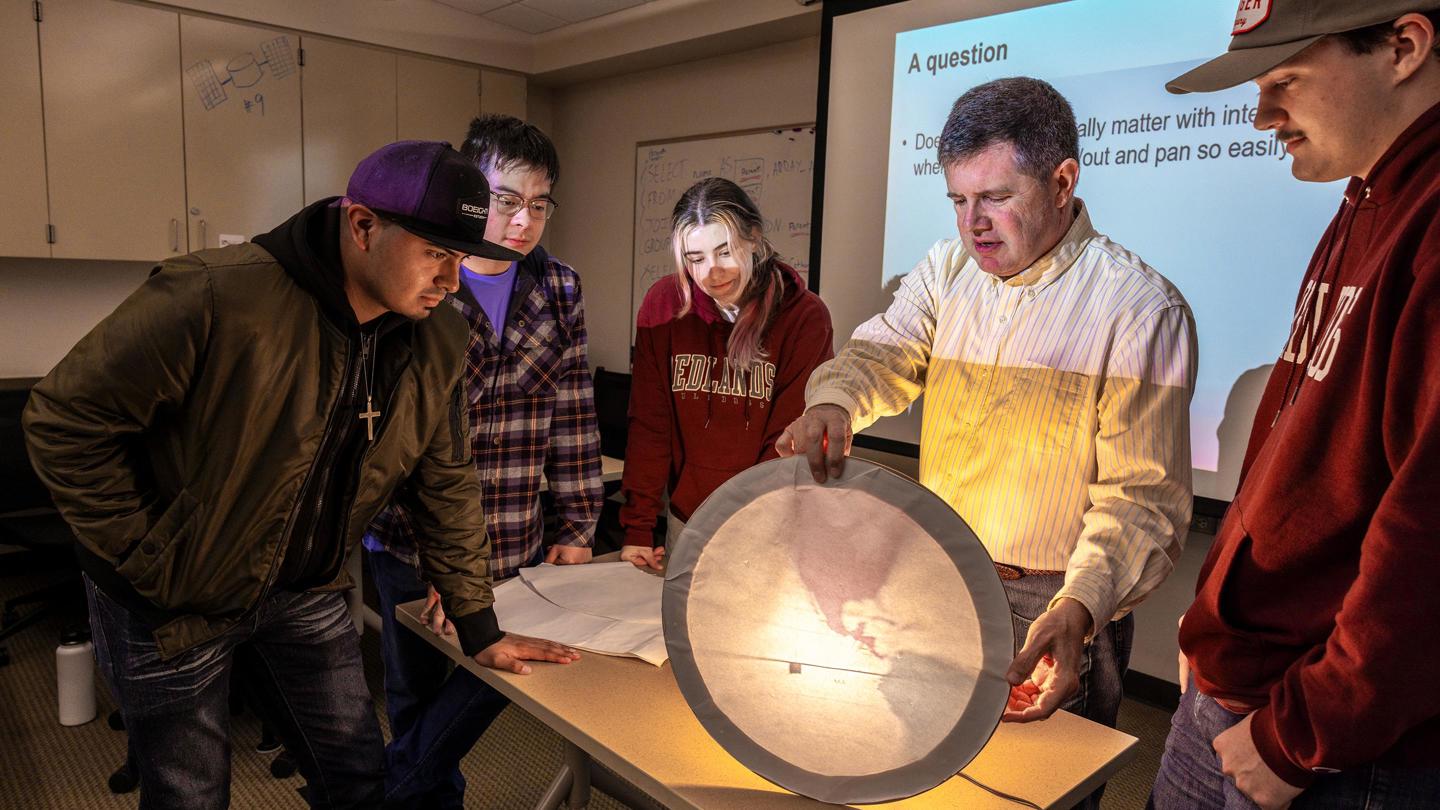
(612, 411)
(29, 520)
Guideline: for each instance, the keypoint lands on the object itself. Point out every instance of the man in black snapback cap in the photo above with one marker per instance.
(1306, 655)
(219, 443)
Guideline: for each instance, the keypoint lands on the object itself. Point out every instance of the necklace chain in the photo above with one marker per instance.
(367, 351)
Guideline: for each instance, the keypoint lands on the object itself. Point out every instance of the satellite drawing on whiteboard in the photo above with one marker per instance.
(242, 71)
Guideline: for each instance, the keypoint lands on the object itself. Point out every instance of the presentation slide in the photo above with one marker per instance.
(1184, 181)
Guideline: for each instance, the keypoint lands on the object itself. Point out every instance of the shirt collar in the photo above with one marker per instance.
(1060, 258)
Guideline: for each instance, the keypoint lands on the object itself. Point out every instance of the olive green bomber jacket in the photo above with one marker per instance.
(177, 436)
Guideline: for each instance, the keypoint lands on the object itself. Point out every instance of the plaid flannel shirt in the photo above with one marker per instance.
(532, 412)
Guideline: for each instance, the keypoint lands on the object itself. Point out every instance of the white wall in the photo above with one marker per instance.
(645, 36)
(46, 305)
(540, 111)
(596, 126)
(409, 25)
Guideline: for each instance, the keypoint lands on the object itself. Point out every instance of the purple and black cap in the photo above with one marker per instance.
(430, 190)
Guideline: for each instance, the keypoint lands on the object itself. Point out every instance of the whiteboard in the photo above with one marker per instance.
(774, 166)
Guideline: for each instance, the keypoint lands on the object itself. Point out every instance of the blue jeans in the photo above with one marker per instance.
(1102, 670)
(1190, 777)
(436, 715)
(298, 660)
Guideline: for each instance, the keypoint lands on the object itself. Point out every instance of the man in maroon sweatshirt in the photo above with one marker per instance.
(1316, 623)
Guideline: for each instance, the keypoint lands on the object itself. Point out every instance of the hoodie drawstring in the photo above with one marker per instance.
(1325, 270)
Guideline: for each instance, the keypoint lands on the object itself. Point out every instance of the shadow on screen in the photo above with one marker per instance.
(1234, 429)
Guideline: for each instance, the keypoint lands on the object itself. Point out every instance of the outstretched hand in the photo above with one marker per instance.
(1046, 671)
(511, 652)
(822, 434)
(569, 555)
(642, 557)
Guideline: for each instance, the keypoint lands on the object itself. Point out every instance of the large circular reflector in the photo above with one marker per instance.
(846, 641)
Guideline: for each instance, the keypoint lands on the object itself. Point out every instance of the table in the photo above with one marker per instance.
(656, 743)
(611, 471)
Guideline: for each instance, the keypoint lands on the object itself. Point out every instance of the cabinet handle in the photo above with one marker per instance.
(174, 235)
(202, 234)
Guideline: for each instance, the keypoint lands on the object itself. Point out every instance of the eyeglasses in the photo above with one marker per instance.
(508, 205)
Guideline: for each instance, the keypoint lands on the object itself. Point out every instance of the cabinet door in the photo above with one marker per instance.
(349, 110)
(243, 172)
(114, 147)
(502, 93)
(438, 100)
(24, 208)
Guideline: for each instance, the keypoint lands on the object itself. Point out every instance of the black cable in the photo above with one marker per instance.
(994, 792)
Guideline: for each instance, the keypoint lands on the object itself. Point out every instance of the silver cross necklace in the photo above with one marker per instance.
(369, 414)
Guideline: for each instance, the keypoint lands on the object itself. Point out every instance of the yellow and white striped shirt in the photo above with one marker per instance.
(1056, 420)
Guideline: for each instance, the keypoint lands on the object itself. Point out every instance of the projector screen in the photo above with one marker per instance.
(1185, 182)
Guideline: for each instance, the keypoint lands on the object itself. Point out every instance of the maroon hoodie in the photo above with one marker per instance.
(694, 420)
(1320, 601)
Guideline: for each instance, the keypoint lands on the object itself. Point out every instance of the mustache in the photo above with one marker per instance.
(1288, 134)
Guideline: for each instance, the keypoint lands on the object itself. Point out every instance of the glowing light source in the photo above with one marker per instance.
(847, 641)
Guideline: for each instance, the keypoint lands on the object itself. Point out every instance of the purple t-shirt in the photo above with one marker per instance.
(492, 293)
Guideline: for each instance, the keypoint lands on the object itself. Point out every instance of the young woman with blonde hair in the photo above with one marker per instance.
(723, 348)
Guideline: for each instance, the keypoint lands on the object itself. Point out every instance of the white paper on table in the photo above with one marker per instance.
(521, 610)
(615, 590)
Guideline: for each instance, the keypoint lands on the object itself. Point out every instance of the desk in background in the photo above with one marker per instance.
(611, 471)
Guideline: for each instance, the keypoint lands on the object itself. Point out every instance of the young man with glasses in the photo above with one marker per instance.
(531, 419)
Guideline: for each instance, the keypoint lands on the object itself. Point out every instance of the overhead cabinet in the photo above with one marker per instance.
(135, 133)
(24, 207)
(502, 93)
(114, 150)
(438, 100)
(349, 105)
(243, 166)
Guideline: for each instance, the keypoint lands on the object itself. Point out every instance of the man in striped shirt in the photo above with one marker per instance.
(1057, 369)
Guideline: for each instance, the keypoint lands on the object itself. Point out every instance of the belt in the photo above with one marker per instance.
(1232, 705)
(1010, 573)
(1237, 706)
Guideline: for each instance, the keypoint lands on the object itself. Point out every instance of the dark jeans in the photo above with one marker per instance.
(436, 715)
(1102, 670)
(298, 660)
(1190, 777)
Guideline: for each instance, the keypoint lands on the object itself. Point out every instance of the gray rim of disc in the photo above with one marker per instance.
(975, 725)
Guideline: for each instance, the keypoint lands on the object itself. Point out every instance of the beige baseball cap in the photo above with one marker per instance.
(1267, 32)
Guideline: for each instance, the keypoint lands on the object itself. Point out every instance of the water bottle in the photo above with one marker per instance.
(75, 678)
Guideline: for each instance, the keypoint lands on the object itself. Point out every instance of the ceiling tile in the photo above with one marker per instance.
(475, 6)
(577, 10)
(525, 19)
